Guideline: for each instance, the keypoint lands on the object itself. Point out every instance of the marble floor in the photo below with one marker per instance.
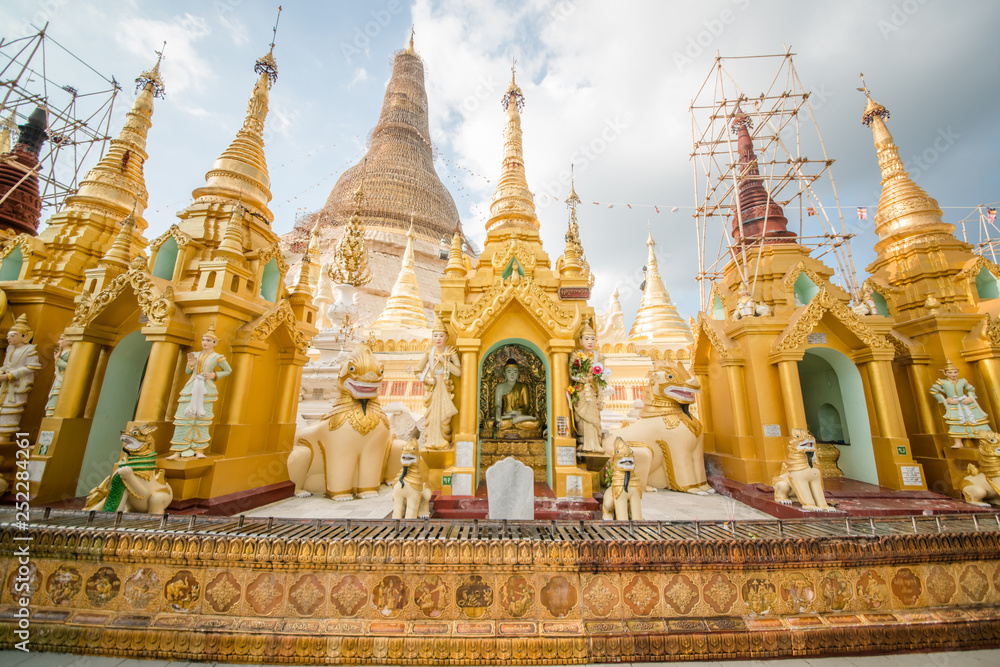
(658, 506)
(989, 658)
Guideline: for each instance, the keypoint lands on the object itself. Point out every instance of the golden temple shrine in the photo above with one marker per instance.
(171, 387)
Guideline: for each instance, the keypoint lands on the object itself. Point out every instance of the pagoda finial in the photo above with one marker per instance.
(409, 47)
(232, 241)
(904, 208)
(513, 203)
(872, 109)
(152, 76)
(119, 255)
(266, 65)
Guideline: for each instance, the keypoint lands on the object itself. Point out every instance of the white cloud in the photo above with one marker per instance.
(183, 67)
(360, 76)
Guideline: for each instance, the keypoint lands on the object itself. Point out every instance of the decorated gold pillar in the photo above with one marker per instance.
(989, 369)
(468, 408)
(232, 434)
(64, 435)
(791, 394)
(155, 394)
(95, 387)
(893, 457)
(562, 438)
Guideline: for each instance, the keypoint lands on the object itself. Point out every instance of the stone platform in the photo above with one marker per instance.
(425, 592)
(852, 498)
(547, 506)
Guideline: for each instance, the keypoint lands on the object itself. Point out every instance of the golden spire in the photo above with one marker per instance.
(904, 209)
(456, 265)
(657, 320)
(513, 204)
(611, 323)
(403, 309)
(309, 273)
(116, 185)
(232, 242)
(574, 261)
(350, 257)
(119, 255)
(409, 47)
(240, 173)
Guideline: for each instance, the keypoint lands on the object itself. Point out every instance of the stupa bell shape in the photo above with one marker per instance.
(756, 217)
(403, 310)
(657, 320)
(904, 208)
(611, 323)
(398, 168)
(22, 205)
(240, 173)
(512, 204)
(116, 186)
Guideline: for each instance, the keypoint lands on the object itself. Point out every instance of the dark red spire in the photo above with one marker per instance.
(21, 209)
(761, 217)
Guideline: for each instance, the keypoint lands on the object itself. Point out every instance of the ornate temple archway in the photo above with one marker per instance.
(119, 396)
(832, 385)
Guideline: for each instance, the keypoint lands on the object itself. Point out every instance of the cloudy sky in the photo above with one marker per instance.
(608, 88)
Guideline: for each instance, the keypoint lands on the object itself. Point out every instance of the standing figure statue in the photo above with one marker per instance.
(747, 307)
(16, 377)
(964, 417)
(588, 377)
(437, 368)
(62, 360)
(194, 408)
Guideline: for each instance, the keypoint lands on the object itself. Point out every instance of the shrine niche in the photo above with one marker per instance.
(512, 405)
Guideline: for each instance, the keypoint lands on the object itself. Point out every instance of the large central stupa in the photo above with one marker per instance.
(401, 186)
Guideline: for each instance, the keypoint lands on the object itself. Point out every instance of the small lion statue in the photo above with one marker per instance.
(411, 498)
(623, 500)
(136, 485)
(982, 485)
(799, 476)
(668, 442)
(344, 453)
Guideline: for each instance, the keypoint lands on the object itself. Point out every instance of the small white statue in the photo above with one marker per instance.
(746, 307)
(866, 304)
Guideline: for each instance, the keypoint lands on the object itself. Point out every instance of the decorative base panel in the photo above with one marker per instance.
(422, 592)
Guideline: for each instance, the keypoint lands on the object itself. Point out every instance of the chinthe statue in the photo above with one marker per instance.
(512, 406)
(623, 500)
(411, 498)
(61, 354)
(799, 476)
(194, 408)
(436, 369)
(962, 414)
(135, 485)
(17, 376)
(981, 487)
(588, 377)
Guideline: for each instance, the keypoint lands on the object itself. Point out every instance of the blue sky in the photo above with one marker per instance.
(607, 87)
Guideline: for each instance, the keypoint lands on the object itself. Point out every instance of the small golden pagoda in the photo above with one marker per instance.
(403, 309)
(514, 319)
(781, 348)
(943, 299)
(219, 273)
(658, 323)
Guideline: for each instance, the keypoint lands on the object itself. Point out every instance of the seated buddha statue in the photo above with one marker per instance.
(512, 406)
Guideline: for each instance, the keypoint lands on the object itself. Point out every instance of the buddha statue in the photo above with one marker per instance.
(512, 406)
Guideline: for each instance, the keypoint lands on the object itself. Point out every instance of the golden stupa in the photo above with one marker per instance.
(658, 321)
(403, 309)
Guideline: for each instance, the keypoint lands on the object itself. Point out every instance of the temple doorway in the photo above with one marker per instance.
(833, 396)
(115, 407)
(514, 410)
